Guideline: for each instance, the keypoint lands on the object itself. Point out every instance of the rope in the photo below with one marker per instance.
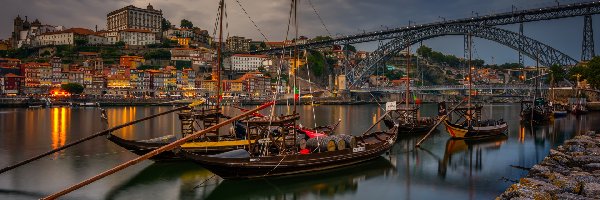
(265, 37)
(312, 98)
(319, 16)
(197, 186)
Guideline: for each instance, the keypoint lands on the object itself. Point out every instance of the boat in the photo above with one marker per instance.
(408, 116)
(271, 157)
(281, 150)
(558, 109)
(577, 106)
(536, 112)
(469, 124)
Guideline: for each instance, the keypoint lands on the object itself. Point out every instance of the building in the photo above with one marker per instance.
(245, 62)
(185, 37)
(237, 44)
(25, 32)
(37, 74)
(200, 58)
(131, 17)
(56, 64)
(137, 37)
(11, 84)
(132, 62)
(69, 37)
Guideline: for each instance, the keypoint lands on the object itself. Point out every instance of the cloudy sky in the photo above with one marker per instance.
(341, 17)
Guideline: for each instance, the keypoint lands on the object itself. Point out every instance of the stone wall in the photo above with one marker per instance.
(571, 171)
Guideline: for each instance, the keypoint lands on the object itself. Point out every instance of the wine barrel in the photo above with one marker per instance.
(340, 143)
(321, 144)
(349, 139)
(301, 143)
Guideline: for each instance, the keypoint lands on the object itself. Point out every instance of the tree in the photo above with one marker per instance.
(186, 24)
(45, 54)
(263, 45)
(120, 44)
(424, 51)
(316, 62)
(72, 88)
(80, 41)
(351, 48)
(558, 72)
(165, 24)
(321, 38)
(592, 72)
(253, 47)
(159, 54)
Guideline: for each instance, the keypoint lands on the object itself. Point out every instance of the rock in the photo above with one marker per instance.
(569, 196)
(583, 160)
(592, 166)
(575, 148)
(591, 190)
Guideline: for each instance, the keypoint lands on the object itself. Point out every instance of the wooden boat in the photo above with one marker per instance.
(469, 124)
(559, 110)
(271, 157)
(410, 123)
(210, 144)
(577, 106)
(341, 181)
(408, 116)
(536, 112)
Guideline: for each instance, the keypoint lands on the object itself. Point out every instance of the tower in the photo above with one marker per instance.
(587, 48)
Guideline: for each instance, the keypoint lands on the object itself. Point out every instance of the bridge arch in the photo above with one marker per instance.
(529, 47)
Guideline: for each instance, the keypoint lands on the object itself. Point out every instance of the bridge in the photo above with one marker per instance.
(480, 26)
(457, 87)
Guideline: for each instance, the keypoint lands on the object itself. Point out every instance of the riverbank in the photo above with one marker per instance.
(571, 171)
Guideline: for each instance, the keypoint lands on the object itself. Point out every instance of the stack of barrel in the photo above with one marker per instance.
(329, 143)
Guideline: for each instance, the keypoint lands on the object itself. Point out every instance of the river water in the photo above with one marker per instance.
(442, 168)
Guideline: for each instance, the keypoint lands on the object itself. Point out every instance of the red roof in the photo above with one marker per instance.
(12, 75)
(79, 31)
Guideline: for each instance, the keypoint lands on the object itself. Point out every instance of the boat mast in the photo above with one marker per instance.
(219, 52)
(297, 56)
(470, 81)
(407, 73)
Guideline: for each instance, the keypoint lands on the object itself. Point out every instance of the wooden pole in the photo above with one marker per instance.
(155, 152)
(104, 132)
(438, 123)
(377, 122)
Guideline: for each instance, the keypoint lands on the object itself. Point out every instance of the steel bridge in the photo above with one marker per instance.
(480, 26)
(514, 17)
(456, 87)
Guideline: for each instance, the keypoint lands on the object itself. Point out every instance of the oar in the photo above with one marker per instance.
(438, 123)
(104, 132)
(155, 152)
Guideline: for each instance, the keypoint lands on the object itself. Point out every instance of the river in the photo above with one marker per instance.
(441, 169)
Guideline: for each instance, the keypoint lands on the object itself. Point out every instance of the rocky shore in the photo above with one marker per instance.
(571, 171)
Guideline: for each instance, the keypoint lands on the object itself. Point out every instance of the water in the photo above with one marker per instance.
(441, 169)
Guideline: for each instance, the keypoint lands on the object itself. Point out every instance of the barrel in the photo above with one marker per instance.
(349, 139)
(300, 141)
(321, 144)
(340, 143)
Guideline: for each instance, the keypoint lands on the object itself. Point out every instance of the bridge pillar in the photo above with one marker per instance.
(587, 48)
(521, 44)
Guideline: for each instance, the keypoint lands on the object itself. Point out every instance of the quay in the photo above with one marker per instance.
(571, 171)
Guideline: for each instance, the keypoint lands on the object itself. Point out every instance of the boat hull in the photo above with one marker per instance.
(286, 165)
(141, 148)
(460, 132)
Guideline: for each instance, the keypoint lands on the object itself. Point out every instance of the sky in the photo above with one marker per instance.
(341, 17)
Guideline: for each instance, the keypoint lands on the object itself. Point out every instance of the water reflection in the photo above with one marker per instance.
(463, 150)
(59, 126)
(186, 180)
(327, 185)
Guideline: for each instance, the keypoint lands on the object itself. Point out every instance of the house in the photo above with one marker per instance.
(11, 84)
